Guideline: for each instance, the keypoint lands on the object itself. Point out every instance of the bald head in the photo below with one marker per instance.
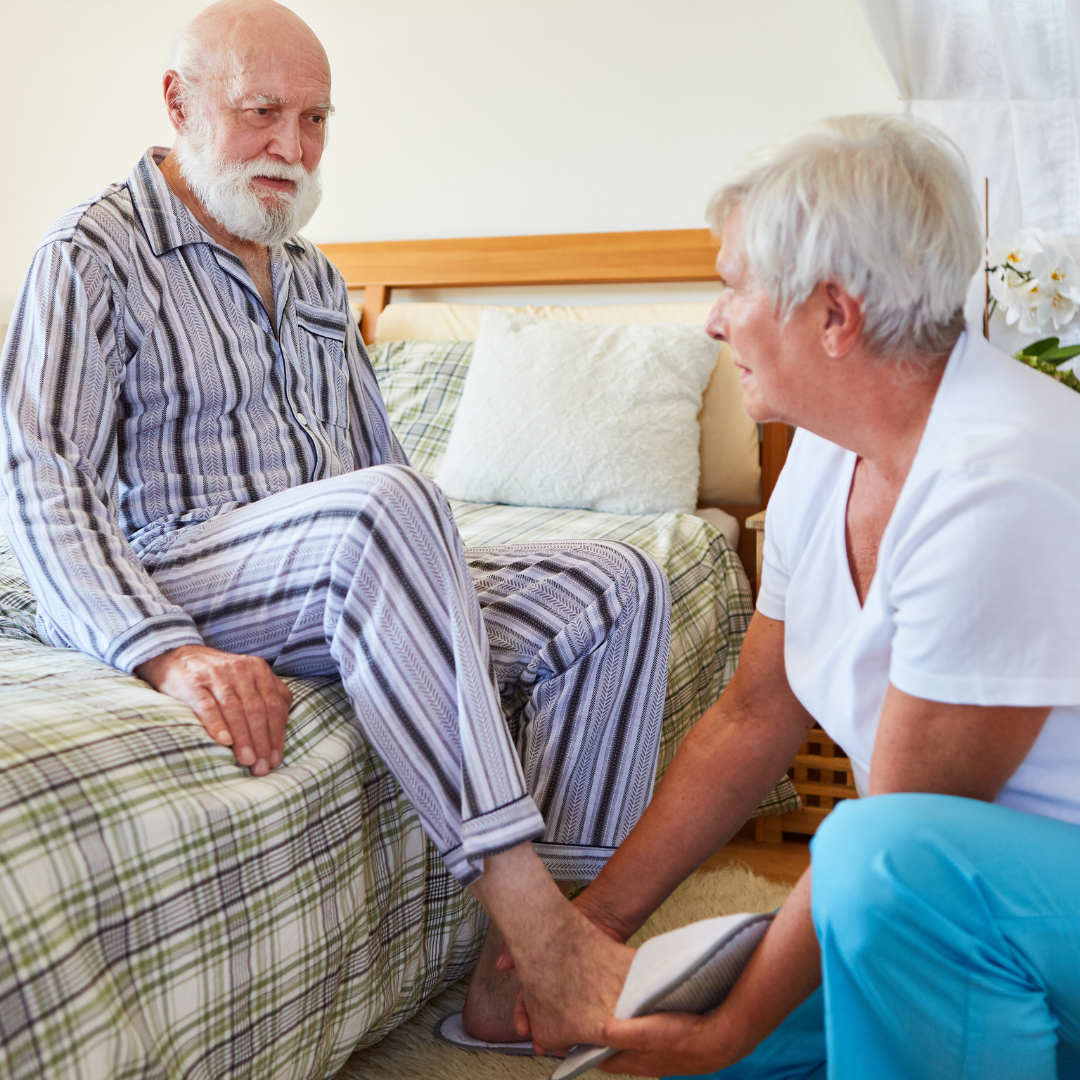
(236, 38)
(248, 91)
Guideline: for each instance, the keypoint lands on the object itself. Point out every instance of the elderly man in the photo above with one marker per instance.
(937, 933)
(202, 487)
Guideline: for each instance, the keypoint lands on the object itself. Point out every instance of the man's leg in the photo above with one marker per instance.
(579, 635)
(950, 940)
(363, 575)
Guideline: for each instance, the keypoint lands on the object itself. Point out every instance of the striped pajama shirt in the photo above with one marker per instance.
(178, 470)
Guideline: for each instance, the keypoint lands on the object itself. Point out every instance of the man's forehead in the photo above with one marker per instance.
(268, 78)
(293, 70)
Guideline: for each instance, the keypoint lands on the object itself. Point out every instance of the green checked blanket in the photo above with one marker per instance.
(165, 915)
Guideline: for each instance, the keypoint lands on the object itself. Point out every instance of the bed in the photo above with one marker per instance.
(164, 915)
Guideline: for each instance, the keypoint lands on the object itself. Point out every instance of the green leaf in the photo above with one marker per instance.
(1059, 356)
(1039, 364)
(1037, 348)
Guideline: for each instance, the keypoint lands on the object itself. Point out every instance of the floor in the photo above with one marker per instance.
(783, 862)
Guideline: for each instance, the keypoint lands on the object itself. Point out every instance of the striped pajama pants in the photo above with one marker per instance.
(364, 576)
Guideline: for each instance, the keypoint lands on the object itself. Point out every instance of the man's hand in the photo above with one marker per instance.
(237, 698)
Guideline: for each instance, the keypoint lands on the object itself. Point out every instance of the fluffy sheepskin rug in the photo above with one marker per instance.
(413, 1053)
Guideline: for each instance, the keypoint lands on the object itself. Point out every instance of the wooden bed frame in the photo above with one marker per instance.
(673, 255)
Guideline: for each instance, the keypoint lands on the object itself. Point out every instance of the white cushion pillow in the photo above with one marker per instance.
(730, 457)
(579, 415)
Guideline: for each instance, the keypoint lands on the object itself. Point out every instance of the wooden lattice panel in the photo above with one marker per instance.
(823, 778)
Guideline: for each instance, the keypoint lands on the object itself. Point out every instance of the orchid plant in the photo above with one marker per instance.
(1032, 277)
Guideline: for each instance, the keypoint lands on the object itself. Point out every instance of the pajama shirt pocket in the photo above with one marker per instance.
(322, 343)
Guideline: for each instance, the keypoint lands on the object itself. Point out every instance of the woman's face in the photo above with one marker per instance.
(765, 350)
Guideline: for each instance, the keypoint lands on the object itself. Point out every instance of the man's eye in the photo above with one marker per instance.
(318, 119)
(262, 112)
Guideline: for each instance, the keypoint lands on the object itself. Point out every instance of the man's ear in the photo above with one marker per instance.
(843, 319)
(174, 88)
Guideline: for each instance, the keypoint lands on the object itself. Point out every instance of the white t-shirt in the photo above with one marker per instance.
(976, 595)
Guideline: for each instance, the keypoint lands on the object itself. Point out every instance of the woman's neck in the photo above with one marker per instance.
(880, 410)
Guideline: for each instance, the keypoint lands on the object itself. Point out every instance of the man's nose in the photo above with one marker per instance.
(716, 323)
(286, 141)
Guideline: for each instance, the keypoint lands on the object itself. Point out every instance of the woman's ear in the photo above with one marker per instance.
(842, 320)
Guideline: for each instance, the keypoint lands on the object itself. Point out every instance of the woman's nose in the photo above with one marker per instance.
(716, 323)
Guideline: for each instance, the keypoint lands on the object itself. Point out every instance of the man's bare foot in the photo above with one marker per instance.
(488, 1012)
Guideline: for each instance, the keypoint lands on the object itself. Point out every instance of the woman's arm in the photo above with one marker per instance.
(964, 750)
(967, 750)
(782, 973)
(733, 755)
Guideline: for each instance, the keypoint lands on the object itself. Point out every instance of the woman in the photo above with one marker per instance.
(940, 918)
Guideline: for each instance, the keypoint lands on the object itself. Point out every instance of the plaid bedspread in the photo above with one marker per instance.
(165, 915)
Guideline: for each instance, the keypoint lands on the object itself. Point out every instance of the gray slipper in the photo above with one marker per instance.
(451, 1029)
(691, 969)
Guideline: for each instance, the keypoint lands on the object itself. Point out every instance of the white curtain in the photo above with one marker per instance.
(1002, 77)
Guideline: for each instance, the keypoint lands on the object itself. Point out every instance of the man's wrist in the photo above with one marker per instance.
(151, 639)
(152, 669)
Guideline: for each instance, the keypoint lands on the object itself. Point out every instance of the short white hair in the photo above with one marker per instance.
(198, 63)
(882, 205)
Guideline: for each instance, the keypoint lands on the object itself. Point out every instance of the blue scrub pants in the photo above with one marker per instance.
(950, 948)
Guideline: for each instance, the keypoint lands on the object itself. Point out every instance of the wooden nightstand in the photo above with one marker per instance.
(821, 771)
(757, 523)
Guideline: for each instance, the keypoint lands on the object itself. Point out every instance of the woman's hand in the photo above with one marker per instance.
(506, 963)
(781, 975)
(667, 1043)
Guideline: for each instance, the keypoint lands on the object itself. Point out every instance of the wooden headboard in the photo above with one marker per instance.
(669, 255)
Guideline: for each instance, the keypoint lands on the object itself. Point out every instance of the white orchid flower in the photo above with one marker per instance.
(1056, 271)
(1033, 279)
(1056, 308)
(1005, 288)
(1028, 314)
(1020, 303)
(1012, 250)
(1010, 281)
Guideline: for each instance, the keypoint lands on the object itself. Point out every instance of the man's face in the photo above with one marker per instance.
(766, 351)
(252, 144)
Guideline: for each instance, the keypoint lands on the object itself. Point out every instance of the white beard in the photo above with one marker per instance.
(224, 188)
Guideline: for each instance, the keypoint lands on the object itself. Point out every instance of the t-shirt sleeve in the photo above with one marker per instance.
(986, 594)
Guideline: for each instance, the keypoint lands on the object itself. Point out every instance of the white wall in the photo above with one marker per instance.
(455, 117)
